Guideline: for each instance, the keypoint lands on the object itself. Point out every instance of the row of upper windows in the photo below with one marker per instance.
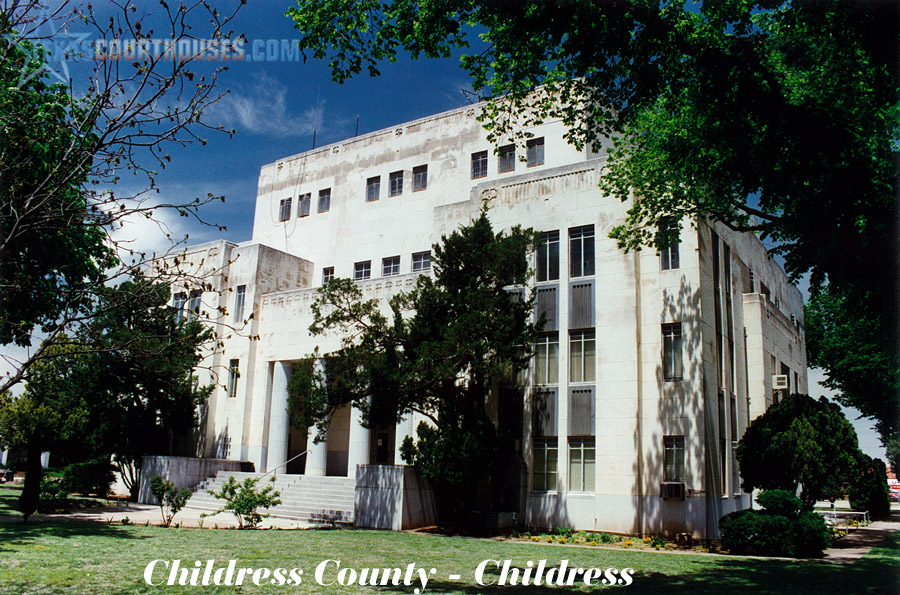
(304, 202)
(395, 183)
(506, 158)
(390, 266)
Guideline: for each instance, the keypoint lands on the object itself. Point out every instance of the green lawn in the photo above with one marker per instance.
(61, 556)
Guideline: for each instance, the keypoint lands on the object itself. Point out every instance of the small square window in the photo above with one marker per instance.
(362, 270)
(303, 205)
(327, 275)
(535, 153)
(284, 209)
(373, 189)
(506, 159)
(421, 261)
(479, 164)
(396, 184)
(390, 266)
(325, 200)
(420, 178)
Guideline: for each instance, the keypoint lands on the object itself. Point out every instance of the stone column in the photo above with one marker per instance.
(359, 443)
(317, 455)
(278, 418)
(404, 428)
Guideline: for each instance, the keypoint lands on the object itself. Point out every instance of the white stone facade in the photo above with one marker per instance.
(724, 313)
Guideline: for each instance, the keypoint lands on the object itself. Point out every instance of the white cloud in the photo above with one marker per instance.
(265, 109)
(146, 228)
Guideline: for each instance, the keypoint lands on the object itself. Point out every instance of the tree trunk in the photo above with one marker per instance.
(31, 492)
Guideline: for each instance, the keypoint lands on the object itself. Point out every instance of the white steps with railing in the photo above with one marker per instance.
(305, 498)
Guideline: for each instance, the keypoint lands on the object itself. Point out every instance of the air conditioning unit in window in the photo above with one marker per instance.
(672, 490)
(779, 382)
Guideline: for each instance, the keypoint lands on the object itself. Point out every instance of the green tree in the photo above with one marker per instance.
(441, 351)
(767, 116)
(800, 442)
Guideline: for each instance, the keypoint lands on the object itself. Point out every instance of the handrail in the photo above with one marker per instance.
(283, 464)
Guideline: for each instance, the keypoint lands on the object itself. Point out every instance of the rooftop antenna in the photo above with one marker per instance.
(357, 126)
(316, 118)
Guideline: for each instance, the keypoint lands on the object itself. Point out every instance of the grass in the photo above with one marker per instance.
(60, 556)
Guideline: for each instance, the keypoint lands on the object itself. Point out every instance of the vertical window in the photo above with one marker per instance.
(194, 303)
(672, 367)
(390, 266)
(421, 261)
(582, 462)
(479, 164)
(673, 447)
(546, 359)
(303, 204)
(178, 301)
(284, 209)
(239, 295)
(324, 200)
(362, 270)
(581, 251)
(582, 355)
(327, 275)
(506, 159)
(669, 257)
(535, 151)
(396, 183)
(420, 178)
(548, 257)
(373, 189)
(234, 372)
(545, 457)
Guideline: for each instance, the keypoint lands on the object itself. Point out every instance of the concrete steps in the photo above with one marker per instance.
(305, 498)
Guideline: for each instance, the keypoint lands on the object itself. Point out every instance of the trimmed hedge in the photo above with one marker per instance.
(91, 477)
(778, 530)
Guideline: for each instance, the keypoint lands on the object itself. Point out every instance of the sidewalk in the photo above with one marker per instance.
(859, 542)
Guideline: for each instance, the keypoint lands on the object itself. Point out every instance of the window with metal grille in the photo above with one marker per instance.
(543, 412)
(395, 183)
(581, 308)
(420, 178)
(535, 151)
(581, 411)
(479, 164)
(390, 266)
(284, 209)
(672, 365)
(581, 251)
(373, 189)
(362, 270)
(324, 200)
(506, 159)
(547, 255)
(546, 306)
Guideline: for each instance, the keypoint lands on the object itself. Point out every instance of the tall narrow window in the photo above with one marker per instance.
(582, 355)
(582, 463)
(304, 204)
(669, 257)
(535, 151)
(194, 303)
(420, 178)
(548, 257)
(546, 359)
(421, 261)
(362, 270)
(673, 448)
(545, 457)
(373, 189)
(327, 275)
(506, 159)
(178, 301)
(479, 164)
(390, 266)
(581, 251)
(239, 295)
(324, 200)
(672, 367)
(234, 372)
(396, 183)
(284, 209)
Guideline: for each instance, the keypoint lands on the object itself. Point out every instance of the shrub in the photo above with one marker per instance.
(243, 500)
(91, 477)
(811, 534)
(780, 502)
(566, 532)
(777, 531)
(870, 490)
(53, 496)
(171, 499)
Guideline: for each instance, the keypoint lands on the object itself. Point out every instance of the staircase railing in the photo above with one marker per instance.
(284, 464)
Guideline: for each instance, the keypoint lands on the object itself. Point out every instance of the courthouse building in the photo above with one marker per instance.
(648, 371)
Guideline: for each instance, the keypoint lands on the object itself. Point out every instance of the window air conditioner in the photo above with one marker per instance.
(779, 382)
(672, 490)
